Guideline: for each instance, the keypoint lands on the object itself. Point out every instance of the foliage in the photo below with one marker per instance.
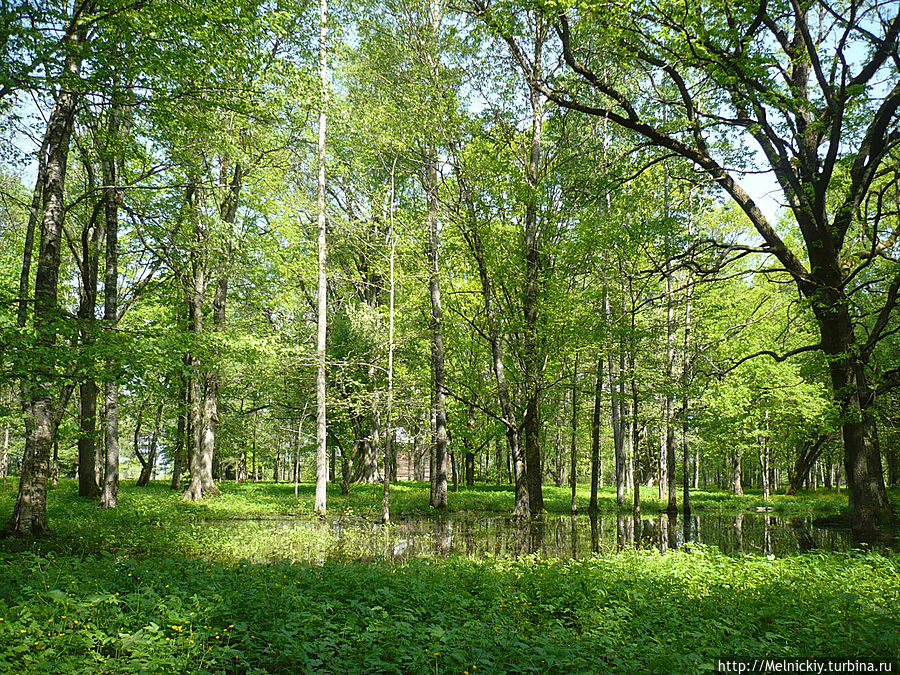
(625, 613)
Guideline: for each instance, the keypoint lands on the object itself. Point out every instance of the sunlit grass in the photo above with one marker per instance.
(626, 613)
(407, 497)
(160, 585)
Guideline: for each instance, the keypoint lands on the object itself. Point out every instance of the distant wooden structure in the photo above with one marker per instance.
(407, 464)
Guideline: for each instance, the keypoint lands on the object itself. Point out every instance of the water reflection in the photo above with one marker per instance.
(480, 535)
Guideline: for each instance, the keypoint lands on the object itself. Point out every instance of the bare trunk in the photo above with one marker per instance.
(4, 454)
(30, 512)
(736, 486)
(87, 446)
(109, 495)
(439, 475)
(635, 441)
(54, 466)
(367, 465)
(34, 215)
(389, 432)
(4, 449)
(530, 301)
(686, 376)
(869, 505)
(148, 468)
(322, 282)
(615, 402)
(672, 506)
(596, 461)
(180, 435)
(195, 289)
(764, 459)
(91, 236)
(573, 448)
(454, 471)
(806, 457)
(662, 458)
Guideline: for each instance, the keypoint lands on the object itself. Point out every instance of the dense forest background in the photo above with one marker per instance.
(652, 246)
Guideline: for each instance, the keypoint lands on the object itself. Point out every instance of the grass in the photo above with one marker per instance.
(156, 586)
(626, 613)
(154, 521)
(411, 498)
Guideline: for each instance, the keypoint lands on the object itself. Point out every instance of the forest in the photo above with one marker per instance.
(431, 336)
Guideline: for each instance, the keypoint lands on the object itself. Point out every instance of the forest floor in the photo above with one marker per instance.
(159, 586)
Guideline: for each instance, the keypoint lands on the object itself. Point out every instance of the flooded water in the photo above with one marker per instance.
(480, 535)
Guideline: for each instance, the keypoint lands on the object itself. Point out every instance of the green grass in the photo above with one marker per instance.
(154, 521)
(159, 585)
(407, 498)
(626, 613)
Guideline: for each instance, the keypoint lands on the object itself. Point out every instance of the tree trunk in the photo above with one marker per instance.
(686, 376)
(34, 215)
(469, 459)
(596, 457)
(869, 505)
(180, 435)
(367, 464)
(806, 457)
(332, 464)
(439, 475)
(4, 451)
(893, 462)
(615, 402)
(764, 460)
(697, 459)
(454, 472)
(147, 469)
(559, 457)
(573, 448)
(322, 282)
(205, 385)
(662, 459)
(736, 486)
(91, 235)
(30, 512)
(202, 470)
(195, 289)
(345, 470)
(829, 474)
(636, 474)
(672, 506)
(109, 495)
(87, 450)
(419, 450)
(530, 301)
(389, 432)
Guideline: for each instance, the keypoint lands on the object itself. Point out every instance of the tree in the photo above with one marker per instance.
(30, 513)
(322, 281)
(762, 73)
